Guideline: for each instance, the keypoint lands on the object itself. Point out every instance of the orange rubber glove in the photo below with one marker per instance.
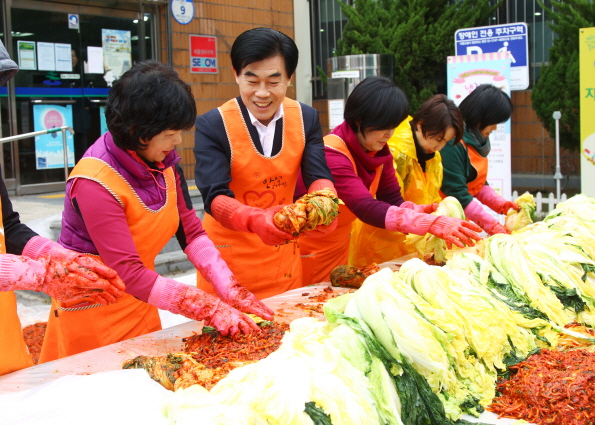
(234, 215)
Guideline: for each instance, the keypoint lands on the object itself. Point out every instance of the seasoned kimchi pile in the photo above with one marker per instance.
(209, 357)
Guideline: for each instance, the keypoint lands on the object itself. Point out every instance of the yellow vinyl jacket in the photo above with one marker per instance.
(373, 245)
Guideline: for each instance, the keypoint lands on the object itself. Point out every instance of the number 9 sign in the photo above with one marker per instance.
(182, 11)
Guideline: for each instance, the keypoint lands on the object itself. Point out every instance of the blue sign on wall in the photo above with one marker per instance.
(499, 38)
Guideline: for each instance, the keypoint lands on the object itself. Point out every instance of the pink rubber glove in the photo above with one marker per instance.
(63, 280)
(489, 197)
(39, 246)
(474, 211)
(206, 258)
(195, 304)
(234, 215)
(426, 209)
(321, 231)
(455, 231)
(452, 230)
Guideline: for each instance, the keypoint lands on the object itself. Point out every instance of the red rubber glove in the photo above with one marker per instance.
(234, 215)
(195, 304)
(206, 258)
(455, 231)
(426, 209)
(39, 246)
(321, 231)
(489, 197)
(452, 230)
(474, 211)
(63, 280)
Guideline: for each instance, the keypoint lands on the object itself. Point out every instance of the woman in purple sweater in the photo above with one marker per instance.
(362, 166)
(125, 200)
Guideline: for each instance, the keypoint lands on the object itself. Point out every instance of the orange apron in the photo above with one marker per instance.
(321, 255)
(481, 166)
(371, 244)
(260, 182)
(14, 354)
(76, 326)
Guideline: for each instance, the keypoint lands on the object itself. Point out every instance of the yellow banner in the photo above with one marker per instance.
(587, 107)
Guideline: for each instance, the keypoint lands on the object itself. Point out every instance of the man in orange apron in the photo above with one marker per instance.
(57, 272)
(466, 164)
(248, 155)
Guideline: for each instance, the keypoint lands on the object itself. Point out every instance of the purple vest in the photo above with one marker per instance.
(74, 233)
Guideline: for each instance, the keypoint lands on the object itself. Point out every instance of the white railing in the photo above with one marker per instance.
(544, 204)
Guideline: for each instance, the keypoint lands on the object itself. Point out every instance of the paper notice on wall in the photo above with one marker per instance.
(117, 53)
(94, 63)
(27, 56)
(63, 57)
(46, 56)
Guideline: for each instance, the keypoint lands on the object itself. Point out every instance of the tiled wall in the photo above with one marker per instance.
(225, 19)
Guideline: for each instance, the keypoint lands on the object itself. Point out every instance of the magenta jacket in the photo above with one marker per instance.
(94, 222)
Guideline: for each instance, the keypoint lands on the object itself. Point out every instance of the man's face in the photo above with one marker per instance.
(263, 86)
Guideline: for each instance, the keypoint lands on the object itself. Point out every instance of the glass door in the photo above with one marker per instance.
(64, 78)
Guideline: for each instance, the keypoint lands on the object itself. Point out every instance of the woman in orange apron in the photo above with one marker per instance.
(415, 146)
(248, 155)
(131, 174)
(59, 272)
(466, 164)
(362, 166)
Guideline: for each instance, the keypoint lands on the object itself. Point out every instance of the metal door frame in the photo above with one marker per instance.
(120, 8)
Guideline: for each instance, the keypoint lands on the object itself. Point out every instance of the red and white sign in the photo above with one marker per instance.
(203, 54)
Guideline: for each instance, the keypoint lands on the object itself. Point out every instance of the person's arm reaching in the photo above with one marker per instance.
(489, 197)
(452, 230)
(63, 280)
(475, 212)
(117, 250)
(178, 298)
(207, 259)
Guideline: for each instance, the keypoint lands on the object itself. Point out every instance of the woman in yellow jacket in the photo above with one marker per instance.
(415, 146)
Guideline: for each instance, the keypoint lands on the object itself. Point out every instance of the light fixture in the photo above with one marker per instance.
(537, 13)
(321, 29)
(21, 34)
(135, 21)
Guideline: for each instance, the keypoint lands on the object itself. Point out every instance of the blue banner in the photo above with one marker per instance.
(49, 148)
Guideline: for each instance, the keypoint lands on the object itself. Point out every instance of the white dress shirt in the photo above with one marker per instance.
(266, 133)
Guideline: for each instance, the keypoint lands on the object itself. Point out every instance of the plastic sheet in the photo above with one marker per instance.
(116, 397)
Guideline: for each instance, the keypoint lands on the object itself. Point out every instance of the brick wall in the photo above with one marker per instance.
(225, 19)
(533, 150)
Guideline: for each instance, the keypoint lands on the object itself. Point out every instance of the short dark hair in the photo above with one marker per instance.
(375, 104)
(437, 115)
(148, 99)
(486, 105)
(259, 44)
